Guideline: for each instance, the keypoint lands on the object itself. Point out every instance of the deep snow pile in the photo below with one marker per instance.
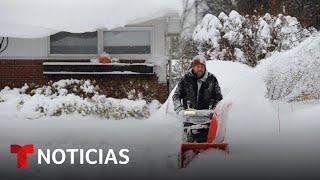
(69, 96)
(293, 75)
(40, 18)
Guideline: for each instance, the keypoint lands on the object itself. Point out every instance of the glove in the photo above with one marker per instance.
(181, 113)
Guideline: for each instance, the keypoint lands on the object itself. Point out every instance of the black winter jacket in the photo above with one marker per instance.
(187, 92)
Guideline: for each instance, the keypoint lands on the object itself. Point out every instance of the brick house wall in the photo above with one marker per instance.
(15, 73)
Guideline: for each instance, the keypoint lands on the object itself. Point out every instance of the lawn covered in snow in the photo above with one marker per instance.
(267, 138)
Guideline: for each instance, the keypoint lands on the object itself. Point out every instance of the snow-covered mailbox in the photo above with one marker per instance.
(140, 51)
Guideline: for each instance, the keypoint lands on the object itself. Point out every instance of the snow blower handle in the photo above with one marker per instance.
(193, 112)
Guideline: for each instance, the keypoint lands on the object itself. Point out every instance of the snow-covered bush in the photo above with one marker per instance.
(82, 88)
(294, 75)
(74, 96)
(247, 39)
(134, 94)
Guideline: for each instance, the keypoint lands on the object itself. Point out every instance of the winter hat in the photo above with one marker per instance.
(199, 59)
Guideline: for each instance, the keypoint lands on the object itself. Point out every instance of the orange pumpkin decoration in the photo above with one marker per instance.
(105, 58)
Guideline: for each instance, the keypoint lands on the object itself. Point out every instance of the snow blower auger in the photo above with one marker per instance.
(202, 134)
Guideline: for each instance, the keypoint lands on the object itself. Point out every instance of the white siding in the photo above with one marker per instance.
(19, 48)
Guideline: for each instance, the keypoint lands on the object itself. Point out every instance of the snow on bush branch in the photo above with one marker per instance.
(74, 96)
(247, 39)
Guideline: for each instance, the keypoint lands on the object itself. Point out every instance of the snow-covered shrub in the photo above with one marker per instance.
(294, 75)
(143, 91)
(134, 94)
(82, 88)
(247, 39)
(75, 96)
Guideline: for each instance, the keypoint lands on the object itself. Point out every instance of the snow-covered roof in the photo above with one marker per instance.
(40, 18)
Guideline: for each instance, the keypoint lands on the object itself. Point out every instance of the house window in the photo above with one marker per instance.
(74, 43)
(127, 42)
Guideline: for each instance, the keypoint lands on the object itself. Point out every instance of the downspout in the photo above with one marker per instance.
(167, 46)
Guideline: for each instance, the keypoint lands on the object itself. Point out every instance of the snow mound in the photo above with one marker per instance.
(241, 86)
(291, 75)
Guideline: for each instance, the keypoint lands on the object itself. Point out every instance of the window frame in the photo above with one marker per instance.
(71, 55)
(100, 45)
(128, 29)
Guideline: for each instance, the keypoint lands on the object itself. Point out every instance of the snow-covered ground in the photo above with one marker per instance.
(267, 138)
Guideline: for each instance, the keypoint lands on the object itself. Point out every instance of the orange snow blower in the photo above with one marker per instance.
(218, 118)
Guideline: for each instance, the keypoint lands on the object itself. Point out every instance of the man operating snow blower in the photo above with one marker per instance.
(196, 96)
